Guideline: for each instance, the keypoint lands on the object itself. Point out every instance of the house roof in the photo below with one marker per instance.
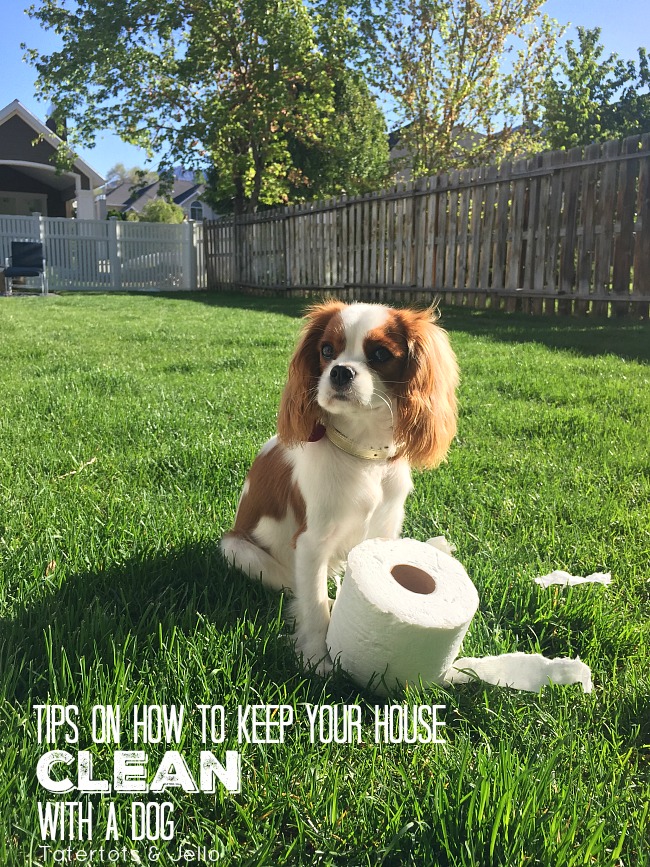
(17, 109)
(122, 197)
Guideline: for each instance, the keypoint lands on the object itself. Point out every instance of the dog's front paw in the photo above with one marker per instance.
(314, 655)
(324, 667)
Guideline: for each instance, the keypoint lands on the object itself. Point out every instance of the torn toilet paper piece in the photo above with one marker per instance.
(566, 580)
(443, 545)
(527, 671)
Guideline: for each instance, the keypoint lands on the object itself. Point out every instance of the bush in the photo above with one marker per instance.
(159, 211)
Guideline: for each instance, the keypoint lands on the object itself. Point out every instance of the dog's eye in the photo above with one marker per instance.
(381, 354)
(327, 350)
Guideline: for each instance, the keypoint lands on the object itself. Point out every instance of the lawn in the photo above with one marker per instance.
(127, 425)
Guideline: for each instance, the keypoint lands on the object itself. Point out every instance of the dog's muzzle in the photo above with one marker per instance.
(341, 376)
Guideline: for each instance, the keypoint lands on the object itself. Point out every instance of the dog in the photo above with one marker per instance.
(371, 392)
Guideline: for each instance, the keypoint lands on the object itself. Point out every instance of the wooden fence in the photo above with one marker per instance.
(111, 254)
(564, 231)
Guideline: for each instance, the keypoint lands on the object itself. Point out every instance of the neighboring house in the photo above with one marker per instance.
(123, 197)
(29, 182)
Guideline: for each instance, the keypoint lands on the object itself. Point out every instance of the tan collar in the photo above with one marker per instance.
(382, 453)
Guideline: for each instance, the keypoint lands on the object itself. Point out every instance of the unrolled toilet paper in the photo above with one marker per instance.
(564, 579)
(529, 671)
(401, 615)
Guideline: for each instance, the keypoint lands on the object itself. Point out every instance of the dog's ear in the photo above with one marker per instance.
(299, 410)
(426, 404)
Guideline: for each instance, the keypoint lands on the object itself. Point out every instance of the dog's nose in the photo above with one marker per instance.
(340, 375)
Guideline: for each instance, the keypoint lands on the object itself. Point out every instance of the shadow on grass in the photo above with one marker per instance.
(68, 641)
(93, 613)
(292, 307)
(184, 627)
(625, 338)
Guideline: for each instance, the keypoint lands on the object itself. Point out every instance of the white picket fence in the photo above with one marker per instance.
(111, 255)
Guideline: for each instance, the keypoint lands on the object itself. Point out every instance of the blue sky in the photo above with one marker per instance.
(625, 25)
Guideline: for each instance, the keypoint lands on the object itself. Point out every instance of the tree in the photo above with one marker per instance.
(158, 211)
(466, 77)
(594, 98)
(354, 157)
(139, 181)
(118, 173)
(224, 82)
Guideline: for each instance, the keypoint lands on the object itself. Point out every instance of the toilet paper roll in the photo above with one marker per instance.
(401, 614)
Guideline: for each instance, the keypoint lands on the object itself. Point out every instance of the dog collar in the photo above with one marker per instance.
(351, 448)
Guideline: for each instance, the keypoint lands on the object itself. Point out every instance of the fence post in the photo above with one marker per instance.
(41, 228)
(288, 276)
(189, 256)
(199, 240)
(114, 254)
(239, 257)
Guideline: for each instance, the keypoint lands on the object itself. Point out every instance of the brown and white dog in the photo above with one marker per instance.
(371, 392)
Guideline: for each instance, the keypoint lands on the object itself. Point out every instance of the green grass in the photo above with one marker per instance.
(127, 425)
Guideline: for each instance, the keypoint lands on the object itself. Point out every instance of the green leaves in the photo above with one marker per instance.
(595, 98)
(238, 84)
(467, 78)
(159, 211)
